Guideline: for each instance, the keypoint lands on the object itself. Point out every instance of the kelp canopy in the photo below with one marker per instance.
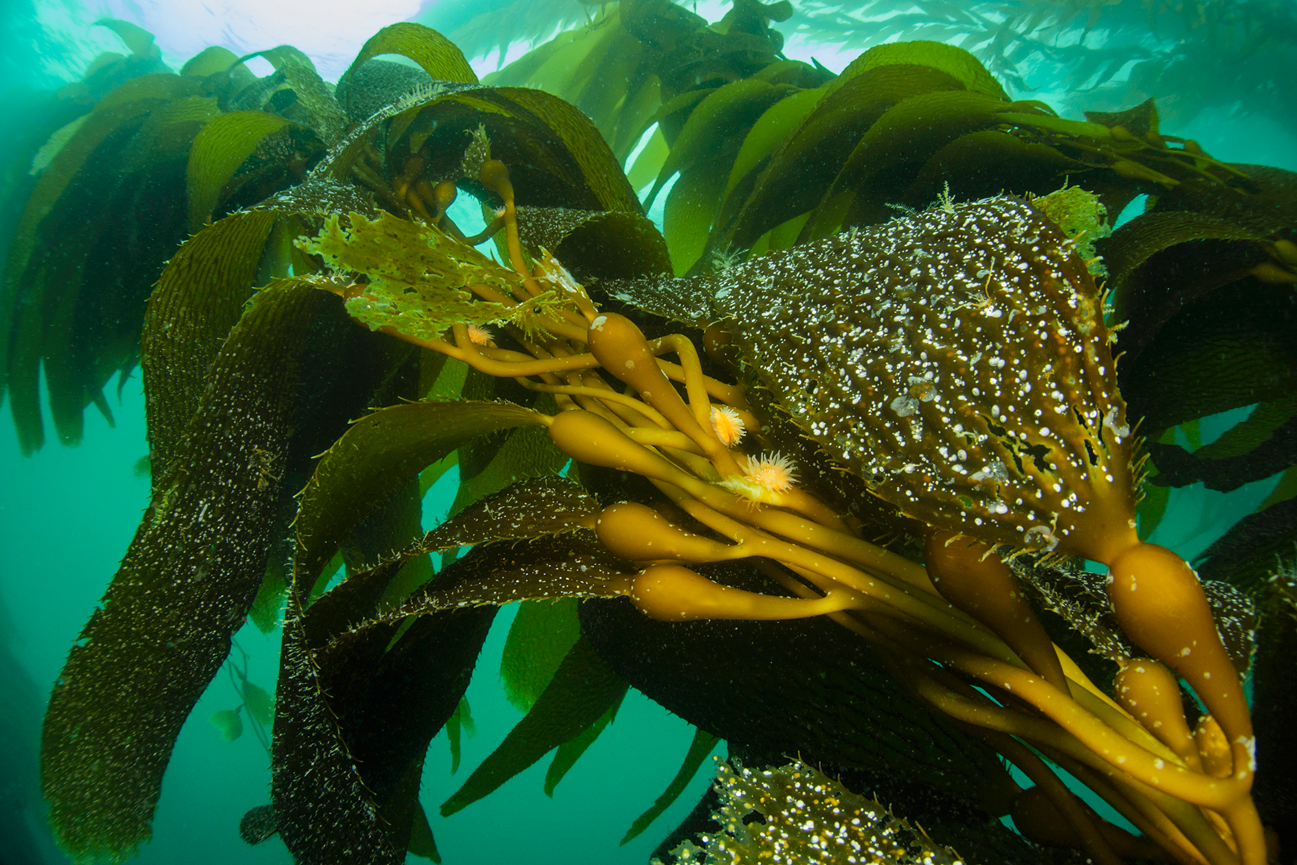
(814, 466)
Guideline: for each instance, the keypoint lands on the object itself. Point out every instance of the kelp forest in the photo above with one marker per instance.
(851, 460)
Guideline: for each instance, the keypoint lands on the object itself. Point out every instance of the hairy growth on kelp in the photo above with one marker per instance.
(956, 361)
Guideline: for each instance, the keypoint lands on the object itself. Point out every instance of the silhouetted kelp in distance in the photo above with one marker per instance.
(242, 394)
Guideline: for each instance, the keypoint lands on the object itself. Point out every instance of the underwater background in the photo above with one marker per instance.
(67, 513)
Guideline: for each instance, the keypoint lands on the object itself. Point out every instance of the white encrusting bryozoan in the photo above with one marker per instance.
(956, 359)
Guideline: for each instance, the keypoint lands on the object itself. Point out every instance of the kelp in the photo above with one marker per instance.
(271, 366)
(165, 624)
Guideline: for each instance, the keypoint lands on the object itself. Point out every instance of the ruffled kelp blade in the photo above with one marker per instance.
(164, 627)
(808, 686)
(419, 278)
(353, 726)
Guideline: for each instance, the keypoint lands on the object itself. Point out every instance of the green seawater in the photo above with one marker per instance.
(67, 514)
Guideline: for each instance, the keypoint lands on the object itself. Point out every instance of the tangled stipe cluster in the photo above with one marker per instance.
(956, 359)
(807, 817)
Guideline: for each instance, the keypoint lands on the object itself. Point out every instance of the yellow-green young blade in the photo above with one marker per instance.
(699, 748)
(690, 209)
(710, 124)
(227, 723)
(184, 586)
(955, 62)
(259, 702)
(806, 158)
(460, 723)
(910, 132)
(541, 635)
(583, 689)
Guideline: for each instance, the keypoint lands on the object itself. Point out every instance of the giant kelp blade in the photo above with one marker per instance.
(185, 585)
(908, 133)
(110, 233)
(197, 300)
(377, 455)
(435, 53)
(953, 61)
(1275, 683)
(735, 105)
(540, 637)
(354, 725)
(583, 688)
(314, 96)
(571, 565)
(806, 686)
(814, 147)
(488, 466)
(1247, 328)
(566, 755)
(527, 509)
(582, 154)
(555, 154)
(37, 252)
(218, 151)
(1161, 262)
(613, 244)
(699, 748)
(1262, 445)
(1253, 547)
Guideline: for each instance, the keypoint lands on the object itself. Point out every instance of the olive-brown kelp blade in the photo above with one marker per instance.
(436, 54)
(540, 637)
(53, 240)
(583, 689)
(1252, 450)
(1275, 699)
(1256, 546)
(376, 456)
(218, 151)
(701, 745)
(555, 154)
(188, 578)
(353, 725)
(751, 684)
(610, 244)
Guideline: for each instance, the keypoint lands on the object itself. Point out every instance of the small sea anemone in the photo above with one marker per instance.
(766, 476)
(728, 425)
(479, 335)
